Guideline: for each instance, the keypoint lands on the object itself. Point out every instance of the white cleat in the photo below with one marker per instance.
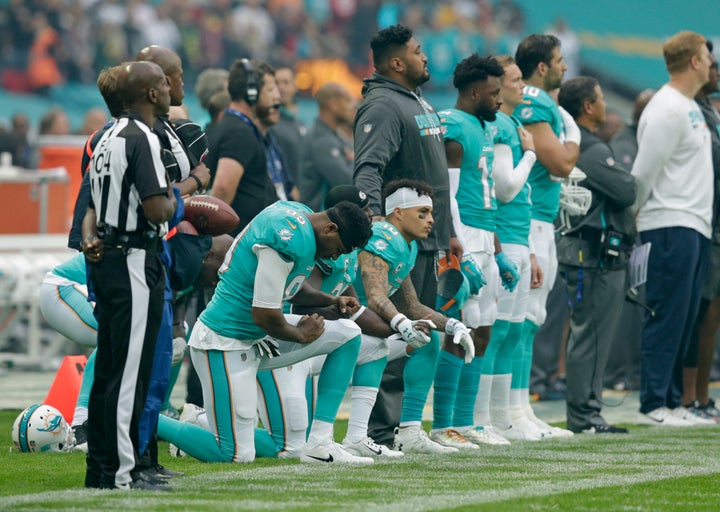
(331, 452)
(415, 440)
(484, 435)
(513, 433)
(547, 431)
(521, 428)
(452, 438)
(369, 448)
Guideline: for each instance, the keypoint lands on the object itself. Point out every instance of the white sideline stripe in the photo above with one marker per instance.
(417, 498)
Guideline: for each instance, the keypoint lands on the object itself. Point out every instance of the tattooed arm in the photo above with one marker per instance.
(374, 272)
(408, 303)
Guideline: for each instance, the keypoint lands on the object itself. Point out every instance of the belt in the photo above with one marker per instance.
(131, 239)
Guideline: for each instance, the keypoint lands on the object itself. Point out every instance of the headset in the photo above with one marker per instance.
(252, 91)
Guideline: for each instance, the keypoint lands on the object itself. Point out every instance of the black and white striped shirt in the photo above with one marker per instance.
(126, 168)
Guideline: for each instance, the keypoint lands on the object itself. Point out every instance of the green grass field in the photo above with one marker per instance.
(649, 469)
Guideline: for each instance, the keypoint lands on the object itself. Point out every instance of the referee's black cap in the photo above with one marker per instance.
(346, 193)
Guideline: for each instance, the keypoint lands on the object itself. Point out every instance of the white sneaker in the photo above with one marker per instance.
(547, 431)
(513, 433)
(687, 415)
(369, 448)
(415, 440)
(190, 414)
(453, 438)
(484, 434)
(521, 428)
(664, 417)
(331, 452)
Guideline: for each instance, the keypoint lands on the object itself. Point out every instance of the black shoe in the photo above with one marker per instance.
(146, 475)
(605, 429)
(143, 485)
(161, 471)
(79, 437)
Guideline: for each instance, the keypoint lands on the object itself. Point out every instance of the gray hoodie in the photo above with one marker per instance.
(398, 135)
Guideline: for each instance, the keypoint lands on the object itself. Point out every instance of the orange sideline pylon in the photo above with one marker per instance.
(66, 386)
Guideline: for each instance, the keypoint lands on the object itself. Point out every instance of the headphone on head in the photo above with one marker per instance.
(252, 91)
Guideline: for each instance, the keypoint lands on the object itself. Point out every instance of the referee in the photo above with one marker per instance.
(131, 202)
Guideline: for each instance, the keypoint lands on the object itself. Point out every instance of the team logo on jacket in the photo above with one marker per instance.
(367, 128)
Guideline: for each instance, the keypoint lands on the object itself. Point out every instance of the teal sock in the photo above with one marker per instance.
(464, 413)
(174, 374)
(310, 399)
(264, 444)
(192, 439)
(369, 374)
(522, 356)
(418, 376)
(447, 378)
(498, 333)
(88, 377)
(334, 379)
(504, 358)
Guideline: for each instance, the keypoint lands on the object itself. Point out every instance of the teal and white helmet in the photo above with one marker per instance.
(40, 428)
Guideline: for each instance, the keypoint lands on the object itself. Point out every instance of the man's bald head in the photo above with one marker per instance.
(164, 57)
(135, 81)
(329, 92)
(171, 65)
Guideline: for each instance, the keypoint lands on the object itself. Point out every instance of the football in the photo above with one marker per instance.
(210, 215)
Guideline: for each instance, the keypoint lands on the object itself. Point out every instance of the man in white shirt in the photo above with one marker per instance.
(674, 175)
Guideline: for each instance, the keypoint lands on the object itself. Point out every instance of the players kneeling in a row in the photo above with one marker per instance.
(289, 253)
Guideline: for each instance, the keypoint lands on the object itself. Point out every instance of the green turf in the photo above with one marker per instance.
(650, 469)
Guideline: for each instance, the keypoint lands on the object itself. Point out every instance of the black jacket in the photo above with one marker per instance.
(398, 135)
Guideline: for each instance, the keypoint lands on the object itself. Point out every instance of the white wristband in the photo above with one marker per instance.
(450, 325)
(396, 320)
(358, 313)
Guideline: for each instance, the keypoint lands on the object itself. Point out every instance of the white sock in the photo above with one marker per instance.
(320, 432)
(500, 401)
(362, 400)
(406, 424)
(80, 416)
(525, 396)
(482, 400)
(515, 397)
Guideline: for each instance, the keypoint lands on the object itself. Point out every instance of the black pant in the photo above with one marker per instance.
(129, 286)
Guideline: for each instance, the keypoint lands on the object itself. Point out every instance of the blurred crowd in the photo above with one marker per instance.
(47, 42)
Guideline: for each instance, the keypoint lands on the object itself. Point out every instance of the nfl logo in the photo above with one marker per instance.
(366, 128)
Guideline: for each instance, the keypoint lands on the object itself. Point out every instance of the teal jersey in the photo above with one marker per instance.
(338, 274)
(387, 243)
(476, 193)
(539, 107)
(512, 225)
(73, 269)
(282, 226)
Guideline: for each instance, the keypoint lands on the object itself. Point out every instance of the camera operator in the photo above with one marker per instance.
(593, 259)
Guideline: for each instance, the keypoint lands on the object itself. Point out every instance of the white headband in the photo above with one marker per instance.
(405, 198)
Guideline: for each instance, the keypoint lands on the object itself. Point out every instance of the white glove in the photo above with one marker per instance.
(461, 336)
(572, 132)
(179, 346)
(402, 324)
(268, 347)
